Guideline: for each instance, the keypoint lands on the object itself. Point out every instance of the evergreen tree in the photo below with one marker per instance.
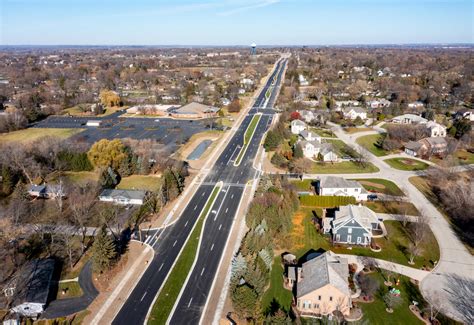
(239, 266)
(244, 300)
(297, 151)
(8, 181)
(104, 251)
(278, 318)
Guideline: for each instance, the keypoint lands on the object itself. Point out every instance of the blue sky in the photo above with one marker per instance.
(235, 22)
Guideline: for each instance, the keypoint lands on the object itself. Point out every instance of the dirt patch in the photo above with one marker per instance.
(297, 233)
(408, 162)
(376, 185)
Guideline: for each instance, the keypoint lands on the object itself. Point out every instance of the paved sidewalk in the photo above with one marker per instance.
(410, 272)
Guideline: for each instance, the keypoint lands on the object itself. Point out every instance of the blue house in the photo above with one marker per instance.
(354, 225)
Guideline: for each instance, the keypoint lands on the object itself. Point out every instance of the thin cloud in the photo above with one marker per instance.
(255, 5)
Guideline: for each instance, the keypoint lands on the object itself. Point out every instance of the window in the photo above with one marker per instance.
(359, 240)
(330, 298)
(319, 298)
(349, 230)
(349, 238)
(316, 306)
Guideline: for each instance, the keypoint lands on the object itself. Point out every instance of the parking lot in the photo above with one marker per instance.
(169, 132)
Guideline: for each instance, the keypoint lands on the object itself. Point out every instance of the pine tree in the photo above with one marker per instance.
(239, 265)
(244, 300)
(7, 181)
(104, 251)
(266, 257)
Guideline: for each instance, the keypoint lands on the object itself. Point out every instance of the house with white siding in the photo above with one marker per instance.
(354, 112)
(297, 126)
(338, 186)
(123, 197)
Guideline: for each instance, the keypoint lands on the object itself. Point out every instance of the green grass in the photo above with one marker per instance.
(352, 130)
(267, 94)
(342, 149)
(374, 312)
(345, 167)
(326, 201)
(248, 136)
(82, 178)
(73, 289)
(323, 133)
(406, 164)
(139, 182)
(393, 207)
(303, 185)
(368, 142)
(31, 134)
(380, 185)
(276, 291)
(170, 290)
(81, 109)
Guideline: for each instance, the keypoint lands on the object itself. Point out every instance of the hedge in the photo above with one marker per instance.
(326, 201)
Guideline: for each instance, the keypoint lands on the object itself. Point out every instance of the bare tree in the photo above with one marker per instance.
(81, 204)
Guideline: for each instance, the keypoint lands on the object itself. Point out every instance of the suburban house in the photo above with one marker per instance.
(123, 197)
(416, 105)
(30, 290)
(312, 149)
(343, 103)
(378, 103)
(465, 113)
(409, 119)
(354, 112)
(194, 111)
(353, 224)
(307, 115)
(322, 285)
(427, 147)
(46, 191)
(436, 129)
(297, 126)
(338, 186)
(310, 136)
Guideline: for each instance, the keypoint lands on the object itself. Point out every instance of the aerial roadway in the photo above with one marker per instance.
(189, 307)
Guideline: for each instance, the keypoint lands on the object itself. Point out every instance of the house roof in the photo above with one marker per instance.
(338, 182)
(360, 214)
(413, 145)
(435, 141)
(34, 282)
(308, 134)
(298, 122)
(325, 269)
(292, 272)
(433, 124)
(195, 108)
(326, 148)
(355, 109)
(412, 117)
(37, 188)
(130, 194)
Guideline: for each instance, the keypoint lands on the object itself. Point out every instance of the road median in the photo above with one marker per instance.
(171, 289)
(248, 137)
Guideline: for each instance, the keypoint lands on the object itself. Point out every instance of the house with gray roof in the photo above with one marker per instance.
(30, 289)
(354, 112)
(409, 119)
(46, 191)
(322, 285)
(353, 225)
(339, 186)
(123, 197)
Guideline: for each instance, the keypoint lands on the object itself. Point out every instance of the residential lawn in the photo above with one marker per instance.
(461, 157)
(73, 289)
(352, 130)
(380, 185)
(393, 207)
(172, 287)
(406, 164)
(342, 149)
(304, 237)
(345, 167)
(323, 133)
(276, 292)
(303, 185)
(374, 312)
(140, 182)
(78, 111)
(368, 142)
(81, 178)
(31, 134)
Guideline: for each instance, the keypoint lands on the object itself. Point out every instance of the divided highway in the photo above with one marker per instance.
(216, 228)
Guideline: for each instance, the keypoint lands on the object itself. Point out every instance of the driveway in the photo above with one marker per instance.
(69, 306)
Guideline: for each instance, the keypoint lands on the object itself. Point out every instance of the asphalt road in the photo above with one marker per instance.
(216, 230)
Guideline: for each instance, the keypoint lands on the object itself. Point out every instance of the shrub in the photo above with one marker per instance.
(326, 201)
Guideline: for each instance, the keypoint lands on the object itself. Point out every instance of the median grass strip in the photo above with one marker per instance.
(369, 143)
(406, 164)
(172, 287)
(248, 136)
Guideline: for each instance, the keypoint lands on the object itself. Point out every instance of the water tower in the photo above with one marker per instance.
(253, 50)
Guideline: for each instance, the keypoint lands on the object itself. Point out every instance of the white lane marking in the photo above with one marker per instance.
(143, 296)
(161, 266)
(232, 196)
(212, 247)
(220, 226)
(226, 210)
(203, 194)
(202, 270)
(175, 242)
(186, 224)
(189, 304)
(195, 207)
